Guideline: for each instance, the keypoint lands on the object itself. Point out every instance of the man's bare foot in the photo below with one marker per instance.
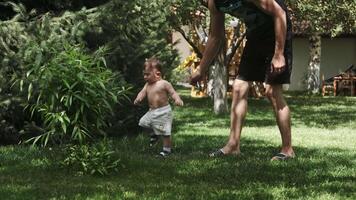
(221, 153)
(288, 151)
(282, 156)
(233, 151)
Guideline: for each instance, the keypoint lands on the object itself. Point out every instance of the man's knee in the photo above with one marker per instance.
(240, 88)
(269, 93)
(273, 92)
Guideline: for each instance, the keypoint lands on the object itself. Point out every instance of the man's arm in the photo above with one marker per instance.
(141, 95)
(215, 38)
(272, 8)
(177, 100)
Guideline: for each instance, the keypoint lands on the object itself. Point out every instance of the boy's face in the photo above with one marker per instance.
(151, 74)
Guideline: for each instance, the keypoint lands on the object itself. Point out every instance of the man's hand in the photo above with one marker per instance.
(195, 78)
(278, 64)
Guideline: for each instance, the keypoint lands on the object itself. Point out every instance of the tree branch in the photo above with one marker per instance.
(233, 48)
(191, 43)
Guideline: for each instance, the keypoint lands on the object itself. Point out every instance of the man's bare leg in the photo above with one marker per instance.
(282, 113)
(237, 116)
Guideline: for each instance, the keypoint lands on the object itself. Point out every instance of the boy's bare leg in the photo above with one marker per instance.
(282, 113)
(167, 146)
(167, 142)
(237, 116)
(153, 136)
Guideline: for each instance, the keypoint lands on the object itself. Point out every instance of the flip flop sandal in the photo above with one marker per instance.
(220, 153)
(217, 153)
(281, 156)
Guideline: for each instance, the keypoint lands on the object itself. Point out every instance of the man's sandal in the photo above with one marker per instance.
(217, 153)
(282, 157)
(220, 153)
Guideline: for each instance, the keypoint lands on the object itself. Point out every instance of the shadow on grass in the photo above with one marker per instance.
(324, 112)
(252, 175)
(187, 174)
(305, 110)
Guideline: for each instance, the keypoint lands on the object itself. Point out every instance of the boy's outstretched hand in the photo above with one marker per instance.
(178, 102)
(137, 101)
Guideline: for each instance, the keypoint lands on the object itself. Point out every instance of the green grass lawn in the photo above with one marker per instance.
(324, 138)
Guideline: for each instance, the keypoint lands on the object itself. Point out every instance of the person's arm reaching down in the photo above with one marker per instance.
(272, 8)
(215, 38)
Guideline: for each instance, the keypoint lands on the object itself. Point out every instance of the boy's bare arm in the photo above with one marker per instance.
(177, 100)
(141, 95)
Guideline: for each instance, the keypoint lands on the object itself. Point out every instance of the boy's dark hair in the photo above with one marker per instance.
(153, 62)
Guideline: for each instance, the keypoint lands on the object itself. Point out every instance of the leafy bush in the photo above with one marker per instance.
(46, 56)
(68, 91)
(91, 159)
(73, 92)
(27, 41)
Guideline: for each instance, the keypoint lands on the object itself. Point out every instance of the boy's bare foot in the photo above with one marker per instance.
(165, 154)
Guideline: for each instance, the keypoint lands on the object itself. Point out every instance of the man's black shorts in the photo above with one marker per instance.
(256, 60)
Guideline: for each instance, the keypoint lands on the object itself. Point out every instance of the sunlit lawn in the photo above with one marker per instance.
(324, 136)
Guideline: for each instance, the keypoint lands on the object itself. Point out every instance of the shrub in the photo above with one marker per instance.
(91, 159)
(67, 91)
(73, 92)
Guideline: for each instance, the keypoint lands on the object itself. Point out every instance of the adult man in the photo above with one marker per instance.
(267, 57)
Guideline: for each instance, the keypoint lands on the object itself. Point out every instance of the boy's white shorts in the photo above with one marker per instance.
(158, 119)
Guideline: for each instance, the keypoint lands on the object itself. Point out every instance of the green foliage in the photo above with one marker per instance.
(133, 31)
(73, 92)
(33, 49)
(25, 40)
(179, 75)
(326, 17)
(43, 6)
(184, 13)
(91, 159)
(67, 89)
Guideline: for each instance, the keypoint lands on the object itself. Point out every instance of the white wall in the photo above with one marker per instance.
(337, 54)
(300, 63)
(182, 46)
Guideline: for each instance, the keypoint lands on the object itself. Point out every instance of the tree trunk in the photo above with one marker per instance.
(217, 85)
(313, 80)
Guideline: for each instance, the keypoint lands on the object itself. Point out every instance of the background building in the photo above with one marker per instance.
(337, 54)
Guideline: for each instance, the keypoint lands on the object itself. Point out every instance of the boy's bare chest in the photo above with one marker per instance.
(155, 89)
